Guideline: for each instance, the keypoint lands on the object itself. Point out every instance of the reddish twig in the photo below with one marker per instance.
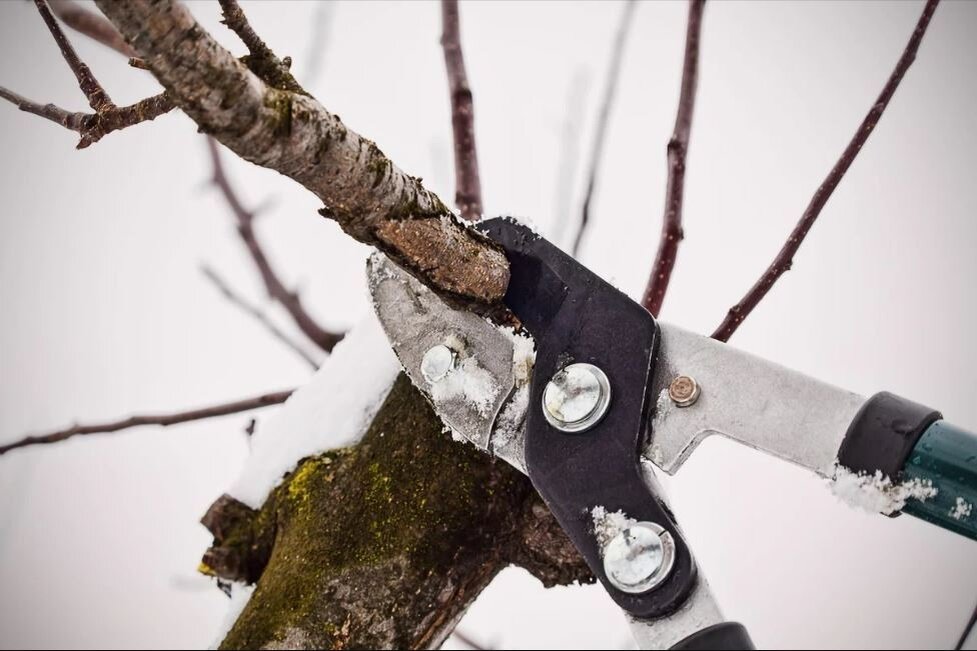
(107, 117)
(782, 263)
(91, 24)
(257, 314)
(273, 285)
(468, 187)
(600, 134)
(163, 420)
(678, 146)
(98, 98)
(94, 126)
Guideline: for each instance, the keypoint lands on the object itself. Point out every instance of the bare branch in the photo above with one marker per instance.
(261, 61)
(678, 146)
(91, 24)
(468, 187)
(257, 314)
(107, 116)
(292, 133)
(163, 420)
(98, 99)
(94, 126)
(273, 285)
(600, 133)
(785, 258)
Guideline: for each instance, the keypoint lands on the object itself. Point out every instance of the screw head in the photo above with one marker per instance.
(683, 391)
(576, 398)
(639, 558)
(438, 361)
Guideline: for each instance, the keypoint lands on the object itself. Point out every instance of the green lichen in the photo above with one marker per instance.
(280, 103)
(398, 509)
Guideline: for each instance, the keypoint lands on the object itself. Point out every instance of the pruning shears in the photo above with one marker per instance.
(591, 392)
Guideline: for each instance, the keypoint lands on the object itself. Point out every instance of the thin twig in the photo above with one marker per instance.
(262, 60)
(98, 98)
(468, 187)
(785, 258)
(256, 313)
(467, 641)
(600, 133)
(678, 146)
(569, 160)
(968, 629)
(315, 58)
(273, 285)
(163, 420)
(91, 24)
(107, 117)
(94, 126)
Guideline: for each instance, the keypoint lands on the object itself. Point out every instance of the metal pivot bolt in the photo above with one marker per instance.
(639, 558)
(683, 391)
(576, 398)
(438, 361)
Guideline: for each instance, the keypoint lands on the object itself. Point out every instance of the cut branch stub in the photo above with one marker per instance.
(370, 198)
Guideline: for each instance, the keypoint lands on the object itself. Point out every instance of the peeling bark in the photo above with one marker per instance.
(290, 132)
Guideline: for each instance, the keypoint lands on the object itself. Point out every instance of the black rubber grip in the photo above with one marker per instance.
(883, 434)
(729, 635)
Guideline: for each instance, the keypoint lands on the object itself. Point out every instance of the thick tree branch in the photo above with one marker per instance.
(255, 313)
(163, 420)
(600, 133)
(468, 187)
(678, 146)
(785, 258)
(276, 289)
(290, 132)
(91, 24)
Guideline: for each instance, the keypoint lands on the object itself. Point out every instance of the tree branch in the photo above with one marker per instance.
(91, 24)
(468, 187)
(255, 313)
(672, 234)
(370, 198)
(107, 116)
(600, 133)
(163, 420)
(785, 258)
(277, 291)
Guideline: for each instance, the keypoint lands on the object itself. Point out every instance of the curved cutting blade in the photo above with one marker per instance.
(480, 390)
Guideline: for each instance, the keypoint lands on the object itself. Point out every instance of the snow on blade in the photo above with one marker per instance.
(607, 524)
(467, 381)
(962, 509)
(877, 493)
(331, 411)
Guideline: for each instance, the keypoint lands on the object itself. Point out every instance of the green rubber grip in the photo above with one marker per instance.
(946, 456)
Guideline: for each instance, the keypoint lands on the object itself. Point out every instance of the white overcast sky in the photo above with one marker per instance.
(103, 311)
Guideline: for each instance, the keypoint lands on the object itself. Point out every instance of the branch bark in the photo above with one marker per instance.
(290, 132)
(785, 258)
(468, 187)
(678, 146)
(163, 420)
(600, 134)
